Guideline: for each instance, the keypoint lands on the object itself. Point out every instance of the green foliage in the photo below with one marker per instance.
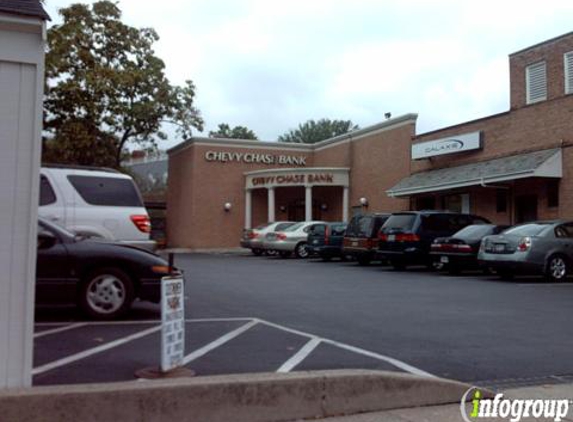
(312, 131)
(238, 132)
(105, 88)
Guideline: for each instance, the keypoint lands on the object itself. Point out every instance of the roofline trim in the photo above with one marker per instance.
(354, 135)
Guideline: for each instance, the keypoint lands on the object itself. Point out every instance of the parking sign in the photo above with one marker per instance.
(172, 323)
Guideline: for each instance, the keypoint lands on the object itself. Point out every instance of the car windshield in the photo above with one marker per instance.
(532, 229)
(475, 231)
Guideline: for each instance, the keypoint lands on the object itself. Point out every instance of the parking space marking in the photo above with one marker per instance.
(219, 342)
(301, 355)
(58, 330)
(90, 352)
(395, 362)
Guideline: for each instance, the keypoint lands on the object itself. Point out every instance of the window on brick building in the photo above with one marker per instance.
(553, 193)
(536, 82)
(501, 200)
(568, 71)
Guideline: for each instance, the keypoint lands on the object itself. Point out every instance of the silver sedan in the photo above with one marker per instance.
(291, 239)
(541, 247)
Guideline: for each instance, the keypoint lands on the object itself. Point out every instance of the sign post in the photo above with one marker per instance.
(172, 330)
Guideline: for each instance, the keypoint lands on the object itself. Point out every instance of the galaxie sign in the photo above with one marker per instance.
(459, 143)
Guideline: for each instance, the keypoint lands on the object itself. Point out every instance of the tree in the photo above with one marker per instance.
(312, 131)
(238, 132)
(105, 88)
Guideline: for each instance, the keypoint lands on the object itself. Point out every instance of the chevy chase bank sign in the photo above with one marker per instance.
(251, 157)
(459, 143)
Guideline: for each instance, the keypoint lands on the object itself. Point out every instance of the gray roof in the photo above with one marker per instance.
(544, 163)
(24, 8)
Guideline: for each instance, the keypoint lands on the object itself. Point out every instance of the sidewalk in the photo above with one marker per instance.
(452, 413)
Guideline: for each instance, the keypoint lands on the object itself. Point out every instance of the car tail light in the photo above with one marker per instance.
(383, 237)
(281, 236)
(142, 223)
(462, 248)
(407, 237)
(253, 235)
(524, 244)
(326, 236)
(436, 246)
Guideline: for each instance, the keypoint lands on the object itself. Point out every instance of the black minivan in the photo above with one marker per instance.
(406, 237)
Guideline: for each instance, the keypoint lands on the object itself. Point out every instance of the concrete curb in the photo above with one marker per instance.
(267, 397)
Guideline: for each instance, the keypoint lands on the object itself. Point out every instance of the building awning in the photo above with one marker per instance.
(545, 163)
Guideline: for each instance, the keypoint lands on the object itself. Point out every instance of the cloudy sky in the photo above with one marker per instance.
(271, 65)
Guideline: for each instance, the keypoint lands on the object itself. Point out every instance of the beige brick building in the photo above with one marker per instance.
(510, 167)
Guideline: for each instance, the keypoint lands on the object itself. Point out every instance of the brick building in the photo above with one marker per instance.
(511, 167)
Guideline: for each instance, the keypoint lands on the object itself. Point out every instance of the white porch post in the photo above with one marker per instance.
(345, 203)
(248, 208)
(271, 202)
(308, 203)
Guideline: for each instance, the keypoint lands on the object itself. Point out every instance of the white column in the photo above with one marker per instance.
(248, 208)
(271, 202)
(21, 91)
(308, 203)
(345, 203)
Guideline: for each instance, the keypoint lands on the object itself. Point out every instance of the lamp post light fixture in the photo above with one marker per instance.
(227, 207)
(363, 201)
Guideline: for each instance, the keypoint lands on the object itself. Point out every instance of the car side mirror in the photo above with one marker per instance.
(46, 239)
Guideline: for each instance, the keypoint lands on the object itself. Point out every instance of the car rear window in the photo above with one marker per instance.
(400, 221)
(47, 194)
(106, 191)
(319, 229)
(293, 228)
(475, 231)
(262, 226)
(527, 229)
(337, 229)
(283, 226)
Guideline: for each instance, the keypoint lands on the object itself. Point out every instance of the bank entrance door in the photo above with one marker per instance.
(295, 211)
(525, 208)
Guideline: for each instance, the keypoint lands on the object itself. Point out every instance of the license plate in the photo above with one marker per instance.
(444, 259)
(391, 237)
(354, 243)
(499, 247)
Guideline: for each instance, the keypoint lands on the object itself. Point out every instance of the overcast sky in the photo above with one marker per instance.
(271, 65)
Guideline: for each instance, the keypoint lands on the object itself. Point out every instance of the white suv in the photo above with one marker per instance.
(95, 202)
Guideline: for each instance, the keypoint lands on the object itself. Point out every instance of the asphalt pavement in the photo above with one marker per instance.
(260, 314)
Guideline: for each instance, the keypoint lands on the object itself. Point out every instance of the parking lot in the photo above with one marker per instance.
(255, 314)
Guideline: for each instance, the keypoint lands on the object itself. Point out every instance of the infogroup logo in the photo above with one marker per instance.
(512, 409)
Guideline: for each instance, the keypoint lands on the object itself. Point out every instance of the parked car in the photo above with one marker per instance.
(292, 239)
(95, 202)
(406, 237)
(325, 240)
(253, 238)
(361, 236)
(541, 247)
(102, 277)
(459, 252)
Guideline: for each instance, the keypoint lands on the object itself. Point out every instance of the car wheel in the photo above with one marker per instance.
(398, 265)
(270, 252)
(364, 260)
(106, 294)
(301, 251)
(557, 268)
(284, 254)
(257, 252)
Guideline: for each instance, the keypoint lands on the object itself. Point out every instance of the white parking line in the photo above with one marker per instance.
(91, 352)
(58, 330)
(395, 362)
(299, 356)
(143, 321)
(219, 342)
